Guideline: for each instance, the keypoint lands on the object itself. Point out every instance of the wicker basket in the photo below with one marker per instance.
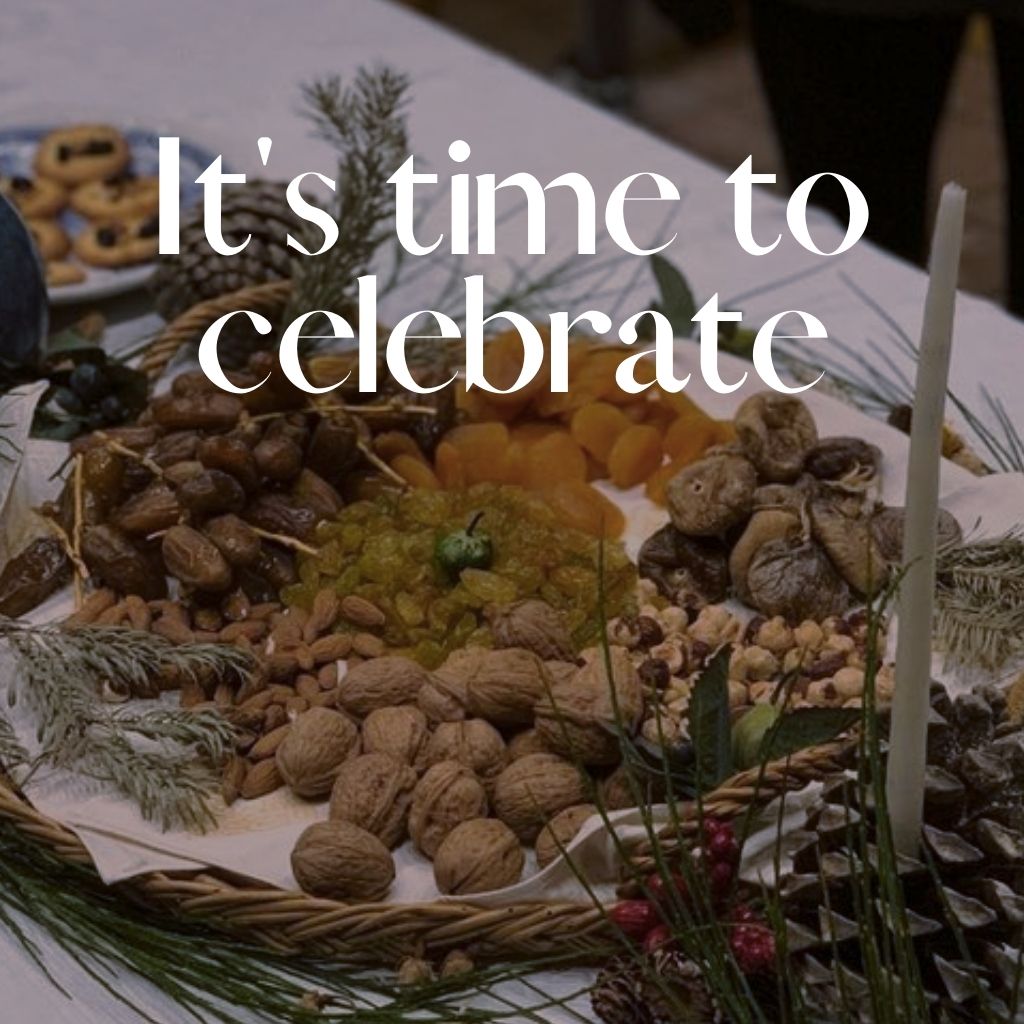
(380, 933)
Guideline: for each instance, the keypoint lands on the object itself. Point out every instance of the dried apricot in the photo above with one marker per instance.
(448, 466)
(390, 443)
(656, 482)
(634, 456)
(415, 472)
(557, 457)
(481, 446)
(689, 437)
(580, 505)
(596, 427)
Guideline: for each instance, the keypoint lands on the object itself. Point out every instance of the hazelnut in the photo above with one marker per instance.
(775, 636)
(400, 732)
(533, 789)
(414, 971)
(314, 748)
(808, 635)
(849, 682)
(560, 831)
(448, 793)
(374, 791)
(478, 855)
(474, 743)
(337, 860)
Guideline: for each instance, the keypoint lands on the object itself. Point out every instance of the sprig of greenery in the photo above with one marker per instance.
(365, 123)
(979, 601)
(164, 759)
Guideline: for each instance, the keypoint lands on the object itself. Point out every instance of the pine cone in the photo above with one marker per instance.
(974, 834)
(197, 273)
(666, 989)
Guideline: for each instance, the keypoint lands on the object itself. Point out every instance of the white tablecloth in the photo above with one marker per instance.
(226, 73)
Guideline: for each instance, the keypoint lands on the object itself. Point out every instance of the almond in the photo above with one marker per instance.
(323, 615)
(329, 649)
(368, 646)
(233, 778)
(261, 779)
(266, 745)
(361, 612)
(94, 605)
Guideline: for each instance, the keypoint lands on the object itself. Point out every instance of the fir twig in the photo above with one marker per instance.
(162, 758)
(365, 123)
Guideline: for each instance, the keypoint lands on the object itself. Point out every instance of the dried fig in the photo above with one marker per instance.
(794, 578)
(845, 532)
(850, 460)
(776, 432)
(764, 526)
(712, 495)
(888, 523)
(689, 571)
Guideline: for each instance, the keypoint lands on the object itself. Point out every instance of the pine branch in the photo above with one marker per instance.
(164, 759)
(365, 122)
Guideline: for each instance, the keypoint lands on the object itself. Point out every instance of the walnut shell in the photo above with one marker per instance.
(478, 855)
(380, 683)
(340, 861)
(534, 626)
(535, 788)
(560, 831)
(314, 748)
(616, 792)
(400, 732)
(579, 717)
(474, 743)
(374, 791)
(501, 686)
(447, 794)
(527, 742)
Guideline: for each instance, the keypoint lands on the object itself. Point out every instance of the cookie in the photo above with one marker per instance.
(59, 274)
(50, 238)
(84, 152)
(34, 197)
(118, 243)
(124, 197)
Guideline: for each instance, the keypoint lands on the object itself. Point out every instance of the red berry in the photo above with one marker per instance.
(722, 846)
(744, 914)
(666, 891)
(659, 936)
(634, 917)
(753, 945)
(720, 876)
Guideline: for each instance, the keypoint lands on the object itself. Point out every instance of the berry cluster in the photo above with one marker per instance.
(89, 393)
(646, 921)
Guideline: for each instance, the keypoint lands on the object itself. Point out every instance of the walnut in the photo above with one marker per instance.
(616, 792)
(447, 794)
(399, 731)
(474, 743)
(443, 699)
(579, 718)
(374, 791)
(381, 683)
(527, 742)
(313, 750)
(560, 831)
(534, 626)
(501, 686)
(477, 856)
(559, 670)
(340, 861)
(535, 788)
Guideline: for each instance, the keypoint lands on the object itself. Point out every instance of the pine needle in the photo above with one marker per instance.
(979, 602)
(164, 759)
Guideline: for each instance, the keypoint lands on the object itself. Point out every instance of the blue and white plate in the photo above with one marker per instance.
(17, 152)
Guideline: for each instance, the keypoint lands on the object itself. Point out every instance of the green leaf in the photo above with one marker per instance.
(807, 727)
(675, 297)
(709, 722)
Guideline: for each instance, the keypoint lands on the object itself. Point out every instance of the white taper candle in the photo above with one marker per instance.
(909, 726)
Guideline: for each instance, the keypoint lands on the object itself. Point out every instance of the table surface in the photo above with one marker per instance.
(225, 74)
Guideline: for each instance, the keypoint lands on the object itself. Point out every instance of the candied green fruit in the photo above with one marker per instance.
(383, 550)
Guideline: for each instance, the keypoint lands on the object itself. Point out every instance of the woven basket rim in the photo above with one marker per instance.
(292, 921)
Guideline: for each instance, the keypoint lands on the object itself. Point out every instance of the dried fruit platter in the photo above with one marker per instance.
(422, 676)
